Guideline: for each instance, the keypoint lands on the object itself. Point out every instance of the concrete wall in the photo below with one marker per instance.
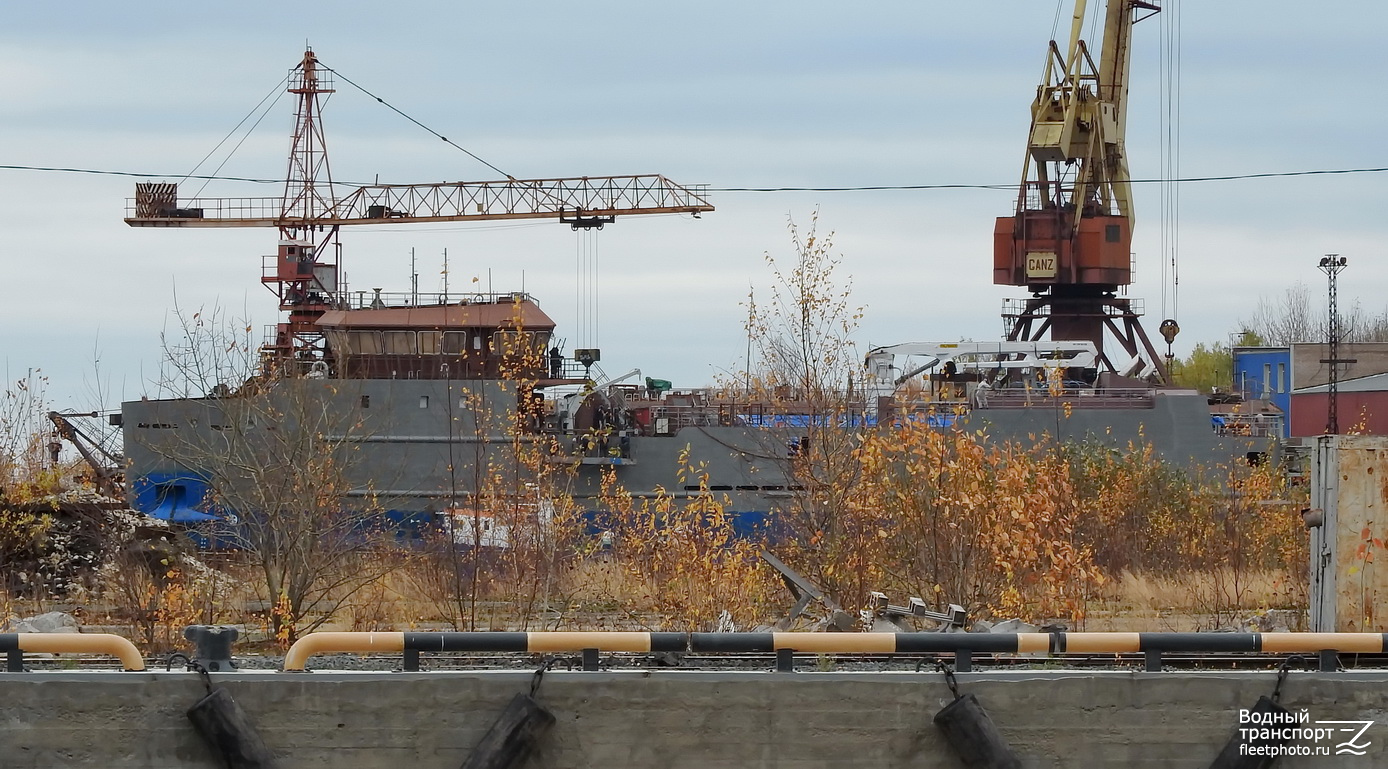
(709, 720)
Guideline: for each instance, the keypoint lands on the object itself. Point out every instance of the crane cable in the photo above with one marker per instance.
(1170, 66)
(397, 111)
(278, 92)
(586, 286)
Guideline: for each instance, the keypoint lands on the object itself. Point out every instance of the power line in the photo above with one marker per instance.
(862, 188)
(890, 187)
(140, 175)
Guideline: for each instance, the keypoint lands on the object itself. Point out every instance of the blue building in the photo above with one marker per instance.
(1265, 373)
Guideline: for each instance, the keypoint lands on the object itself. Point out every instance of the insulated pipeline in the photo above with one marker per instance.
(837, 643)
(534, 643)
(75, 643)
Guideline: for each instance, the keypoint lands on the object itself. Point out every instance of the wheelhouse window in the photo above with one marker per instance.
(400, 343)
(365, 342)
(337, 342)
(454, 342)
(507, 342)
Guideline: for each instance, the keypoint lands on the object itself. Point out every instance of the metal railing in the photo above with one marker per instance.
(1079, 398)
(1251, 425)
(1013, 307)
(209, 208)
(371, 300)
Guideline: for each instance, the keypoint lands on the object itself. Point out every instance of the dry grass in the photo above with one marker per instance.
(1194, 601)
(602, 592)
(604, 579)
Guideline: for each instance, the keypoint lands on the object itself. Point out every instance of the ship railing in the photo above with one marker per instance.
(1075, 397)
(374, 300)
(1251, 425)
(938, 413)
(685, 416)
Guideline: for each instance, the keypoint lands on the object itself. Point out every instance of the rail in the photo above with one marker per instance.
(377, 300)
(15, 645)
(784, 645)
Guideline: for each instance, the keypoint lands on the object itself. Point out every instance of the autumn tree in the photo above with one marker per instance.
(1208, 368)
(803, 336)
(807, 371)
(1295, 316)
(508, 525)
(26, 471)
(276, 455)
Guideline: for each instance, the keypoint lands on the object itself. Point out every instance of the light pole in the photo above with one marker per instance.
(1332, 265)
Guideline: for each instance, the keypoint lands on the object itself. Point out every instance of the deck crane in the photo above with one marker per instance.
(1070, 239)
(309, 213)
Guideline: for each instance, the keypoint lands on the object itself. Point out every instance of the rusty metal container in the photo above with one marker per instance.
(1348, 519)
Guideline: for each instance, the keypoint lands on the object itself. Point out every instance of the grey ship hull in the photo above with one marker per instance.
(421, 446)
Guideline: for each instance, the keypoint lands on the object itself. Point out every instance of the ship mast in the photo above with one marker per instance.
(305, 200)
(302, 278)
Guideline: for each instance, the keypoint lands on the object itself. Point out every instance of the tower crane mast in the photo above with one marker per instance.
(1069, 240)
(309, 214)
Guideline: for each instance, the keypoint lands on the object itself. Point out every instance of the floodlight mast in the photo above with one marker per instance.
(1332, 265)
(309, 214)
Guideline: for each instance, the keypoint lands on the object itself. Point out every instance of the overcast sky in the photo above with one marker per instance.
(729, 94)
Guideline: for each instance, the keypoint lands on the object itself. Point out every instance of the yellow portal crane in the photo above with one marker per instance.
(1069, 240)
(309, 213)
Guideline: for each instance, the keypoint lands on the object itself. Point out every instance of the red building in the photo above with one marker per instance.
(1362, 407)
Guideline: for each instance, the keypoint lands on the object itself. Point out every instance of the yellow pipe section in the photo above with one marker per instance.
(1371, 643)
(317, 643)
(1032, 643)
(608, 641)
(83, 643)
(1102, 643)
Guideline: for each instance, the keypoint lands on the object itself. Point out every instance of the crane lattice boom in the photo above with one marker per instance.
(155, 205)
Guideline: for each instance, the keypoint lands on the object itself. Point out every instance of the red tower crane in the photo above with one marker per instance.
(1070, 239)
(309, 213)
